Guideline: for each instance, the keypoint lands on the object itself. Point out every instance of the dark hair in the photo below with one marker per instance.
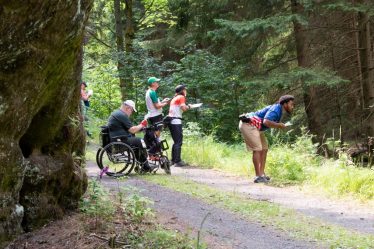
(180, 88)
(84, 83)
(285, 99)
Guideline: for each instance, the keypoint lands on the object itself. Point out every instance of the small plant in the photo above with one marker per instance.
(136, 206)
(96, 202)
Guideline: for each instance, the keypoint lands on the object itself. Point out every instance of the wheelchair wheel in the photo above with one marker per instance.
(117, 158)
(98, 158)
(165, 164)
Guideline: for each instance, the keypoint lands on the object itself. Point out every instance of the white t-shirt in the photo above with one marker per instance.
(150, 99)
(176, 110)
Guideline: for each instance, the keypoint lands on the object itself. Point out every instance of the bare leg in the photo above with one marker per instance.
(263, 161)
(257, 162)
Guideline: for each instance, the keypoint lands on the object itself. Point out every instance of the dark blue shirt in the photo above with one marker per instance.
(271, 112)
(119, 124)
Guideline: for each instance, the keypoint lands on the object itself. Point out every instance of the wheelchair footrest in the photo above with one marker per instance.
(164, 144)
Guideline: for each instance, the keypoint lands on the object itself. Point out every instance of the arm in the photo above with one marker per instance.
(84, 95)
(272, 124)
(136, 128)
(159, 105)
(185, 107)
(156, 103)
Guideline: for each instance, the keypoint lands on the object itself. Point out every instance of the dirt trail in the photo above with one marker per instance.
(222, 229)
(348, 213)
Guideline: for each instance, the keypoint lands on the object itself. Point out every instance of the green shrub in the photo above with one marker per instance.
(295, 163)
(96, 202)
(136, 206)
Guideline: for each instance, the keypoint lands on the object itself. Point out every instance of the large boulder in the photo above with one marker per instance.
(41, 135)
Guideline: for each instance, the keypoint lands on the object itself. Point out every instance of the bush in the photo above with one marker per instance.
(295, 163)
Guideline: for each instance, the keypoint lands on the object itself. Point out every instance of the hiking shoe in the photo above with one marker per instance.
(146, 168)
(260, 179)
(266, 177)
(180, 164)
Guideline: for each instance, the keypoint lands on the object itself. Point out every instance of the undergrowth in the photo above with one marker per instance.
(287, 164)
(125, 219)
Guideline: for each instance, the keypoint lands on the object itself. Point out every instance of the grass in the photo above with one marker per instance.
(128, 217)
(287, 164)
(287, 220)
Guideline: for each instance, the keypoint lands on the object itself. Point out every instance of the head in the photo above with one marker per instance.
(83, 85)
(128, 107)
(181, 89)
(153, 82)
(287, 102)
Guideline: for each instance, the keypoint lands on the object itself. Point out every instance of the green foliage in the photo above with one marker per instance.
(96, 202)
(136, 206)
(307, 76)
(156, 12)
(242, 29)
(348, 179)
(296, 163)
(346, 6)
(160, 239)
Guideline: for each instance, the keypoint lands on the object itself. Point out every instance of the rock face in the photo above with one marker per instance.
(41, 135)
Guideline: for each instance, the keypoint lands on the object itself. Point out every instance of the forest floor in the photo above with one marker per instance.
(222, 228)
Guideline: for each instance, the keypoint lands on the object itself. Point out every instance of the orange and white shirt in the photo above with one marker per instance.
(175, 109)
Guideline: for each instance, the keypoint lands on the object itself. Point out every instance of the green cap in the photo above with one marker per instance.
(152, 80)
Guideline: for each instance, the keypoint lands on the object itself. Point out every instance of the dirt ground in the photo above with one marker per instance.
(221, 229)
(346, 212)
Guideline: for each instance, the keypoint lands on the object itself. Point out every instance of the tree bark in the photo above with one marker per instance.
(312, 107)
(120, 48)
(129, 39)
(42, 140)
(367, 72)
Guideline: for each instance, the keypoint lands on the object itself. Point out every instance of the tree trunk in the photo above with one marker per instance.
(120, 48)
(367, 72)
(312, 108)
(129, 39)
(41, 137)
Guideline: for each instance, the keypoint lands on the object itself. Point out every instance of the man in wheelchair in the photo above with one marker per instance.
(122, 129)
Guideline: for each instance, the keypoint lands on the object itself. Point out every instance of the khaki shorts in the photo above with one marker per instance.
(254, 139)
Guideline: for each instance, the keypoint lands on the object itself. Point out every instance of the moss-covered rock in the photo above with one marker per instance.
(40, 68)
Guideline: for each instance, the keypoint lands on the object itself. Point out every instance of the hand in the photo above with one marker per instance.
(282, 126)
(144, 123)
(165, 100)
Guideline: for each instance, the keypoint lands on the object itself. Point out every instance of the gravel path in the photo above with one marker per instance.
(222, 229)
(348, 213)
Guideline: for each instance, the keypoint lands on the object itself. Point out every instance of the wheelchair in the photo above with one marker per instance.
(116, 158)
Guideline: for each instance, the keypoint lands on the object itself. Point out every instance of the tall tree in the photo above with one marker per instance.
(120, 47)
(129, 38)
(367, 71)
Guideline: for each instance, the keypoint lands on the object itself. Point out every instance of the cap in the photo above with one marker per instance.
(285, 98)
(152, 80)
(130, 103)
(180, 88)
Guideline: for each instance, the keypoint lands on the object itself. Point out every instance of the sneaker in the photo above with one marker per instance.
(146, 168)
(266, 177)
(180, 164)
(260, 179)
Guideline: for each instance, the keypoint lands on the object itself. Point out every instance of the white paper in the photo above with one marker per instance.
(196, 105)
(288, 123)
(90, 92)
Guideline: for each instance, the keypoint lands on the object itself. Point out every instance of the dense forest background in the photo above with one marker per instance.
(237, 56)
